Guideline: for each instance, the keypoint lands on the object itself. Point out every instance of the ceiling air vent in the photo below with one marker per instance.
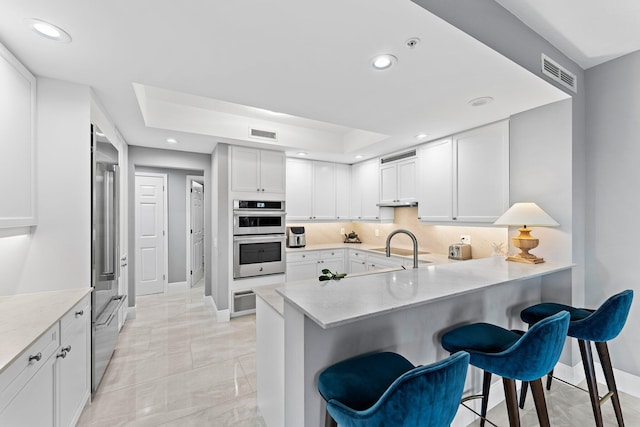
(396, 157)
(558, 73)
(263, 134)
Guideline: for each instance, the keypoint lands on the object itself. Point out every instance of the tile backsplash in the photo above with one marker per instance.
(431, 238)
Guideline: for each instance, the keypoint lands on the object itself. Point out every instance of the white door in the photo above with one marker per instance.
(197, 232)
(149, 256)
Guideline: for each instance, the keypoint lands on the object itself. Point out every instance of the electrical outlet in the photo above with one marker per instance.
(342, 230)
(377, 233)
(465, 239)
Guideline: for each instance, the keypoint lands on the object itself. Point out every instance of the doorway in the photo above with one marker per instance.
(195, 229)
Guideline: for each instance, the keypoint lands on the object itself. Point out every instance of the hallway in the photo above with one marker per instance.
(174, 365)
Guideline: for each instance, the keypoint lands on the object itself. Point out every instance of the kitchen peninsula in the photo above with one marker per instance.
(405, 311)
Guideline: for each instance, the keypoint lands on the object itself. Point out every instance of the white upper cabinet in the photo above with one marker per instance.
(343, 191)
(370, 189)
(257, 171)
(17, 143)
(465, 178)
(272, 171)
(324, 191)
(298, 195)
(355, 201)
(398, 181)
(435, 188)
(317, 190)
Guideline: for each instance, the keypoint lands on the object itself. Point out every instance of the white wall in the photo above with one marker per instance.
(57, 255)
(613, 132)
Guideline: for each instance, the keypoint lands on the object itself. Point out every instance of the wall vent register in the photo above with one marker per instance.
(558, 73)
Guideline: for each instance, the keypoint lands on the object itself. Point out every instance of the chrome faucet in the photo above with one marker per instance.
(415, 244)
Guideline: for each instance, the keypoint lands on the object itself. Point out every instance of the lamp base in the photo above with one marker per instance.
(534, 260)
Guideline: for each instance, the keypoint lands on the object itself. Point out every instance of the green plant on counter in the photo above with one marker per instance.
(328, 275)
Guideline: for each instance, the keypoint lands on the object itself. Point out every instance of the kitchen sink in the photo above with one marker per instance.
(399, 251)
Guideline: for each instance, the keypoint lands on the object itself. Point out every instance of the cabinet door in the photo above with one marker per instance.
(482, 173)
(34, 404)
(406, 181)
(369, 187)
(357, 265)
(334, 265)
(245, 169)
(324, 191)
(73, 370)
(355, 204)
(388, 183)
(17, 143)
(304, 270)
(435, 188)
(343, 190)
(298, 194)
(272, 171)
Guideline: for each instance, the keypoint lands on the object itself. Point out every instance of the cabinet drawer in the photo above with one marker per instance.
(332, 254)
(302, 256)
(383, 261)
(22, 369)
(75, 319)
(353, 254)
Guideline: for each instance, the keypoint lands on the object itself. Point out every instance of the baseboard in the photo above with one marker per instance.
(221, 315)
(177, 286)
(131, 313)
(626, 382)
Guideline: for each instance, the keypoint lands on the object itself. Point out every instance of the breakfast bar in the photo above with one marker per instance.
(316, 324)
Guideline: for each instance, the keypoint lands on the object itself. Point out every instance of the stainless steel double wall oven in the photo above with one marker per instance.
(258, 238)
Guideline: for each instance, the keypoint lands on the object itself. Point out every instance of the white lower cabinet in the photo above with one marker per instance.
(73, 364)
(309, 264)
(49, 383)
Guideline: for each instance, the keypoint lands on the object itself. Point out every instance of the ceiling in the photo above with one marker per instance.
(589, 32)
(206, 71)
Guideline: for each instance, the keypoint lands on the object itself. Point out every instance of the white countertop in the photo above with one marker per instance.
(25, 317)
(334, 303)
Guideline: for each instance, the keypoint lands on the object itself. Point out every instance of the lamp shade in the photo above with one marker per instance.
(526, 214)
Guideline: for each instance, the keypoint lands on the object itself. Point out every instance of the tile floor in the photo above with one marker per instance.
(174, 365)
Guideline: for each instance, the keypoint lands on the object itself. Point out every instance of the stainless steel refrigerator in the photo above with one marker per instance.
(105, 268)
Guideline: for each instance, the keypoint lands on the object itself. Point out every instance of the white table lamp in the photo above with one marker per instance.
(525, 215)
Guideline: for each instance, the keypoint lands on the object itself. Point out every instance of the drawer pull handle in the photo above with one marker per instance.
(63, 352)
(37, 357)
(79, 313)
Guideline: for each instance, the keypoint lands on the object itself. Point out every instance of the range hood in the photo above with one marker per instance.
(397, 204)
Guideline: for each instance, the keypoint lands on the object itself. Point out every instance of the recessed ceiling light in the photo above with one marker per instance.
(48, 30)
(479, 102)
(172, 141)
(382, 62)
(422, 135)
(301, 153)
(99, 133)
(359, 156)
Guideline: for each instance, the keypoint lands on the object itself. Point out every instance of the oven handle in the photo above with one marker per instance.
(260, 238)
(259, 213)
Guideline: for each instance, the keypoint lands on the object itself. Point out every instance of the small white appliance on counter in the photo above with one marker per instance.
(296, 237)
(460, 251)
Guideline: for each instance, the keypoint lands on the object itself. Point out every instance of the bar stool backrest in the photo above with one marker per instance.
(426, 396)
(606, 322)
(533, 355)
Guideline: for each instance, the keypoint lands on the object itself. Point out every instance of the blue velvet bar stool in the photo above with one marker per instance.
(514, 356)
(587, 326)
(385, 389)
